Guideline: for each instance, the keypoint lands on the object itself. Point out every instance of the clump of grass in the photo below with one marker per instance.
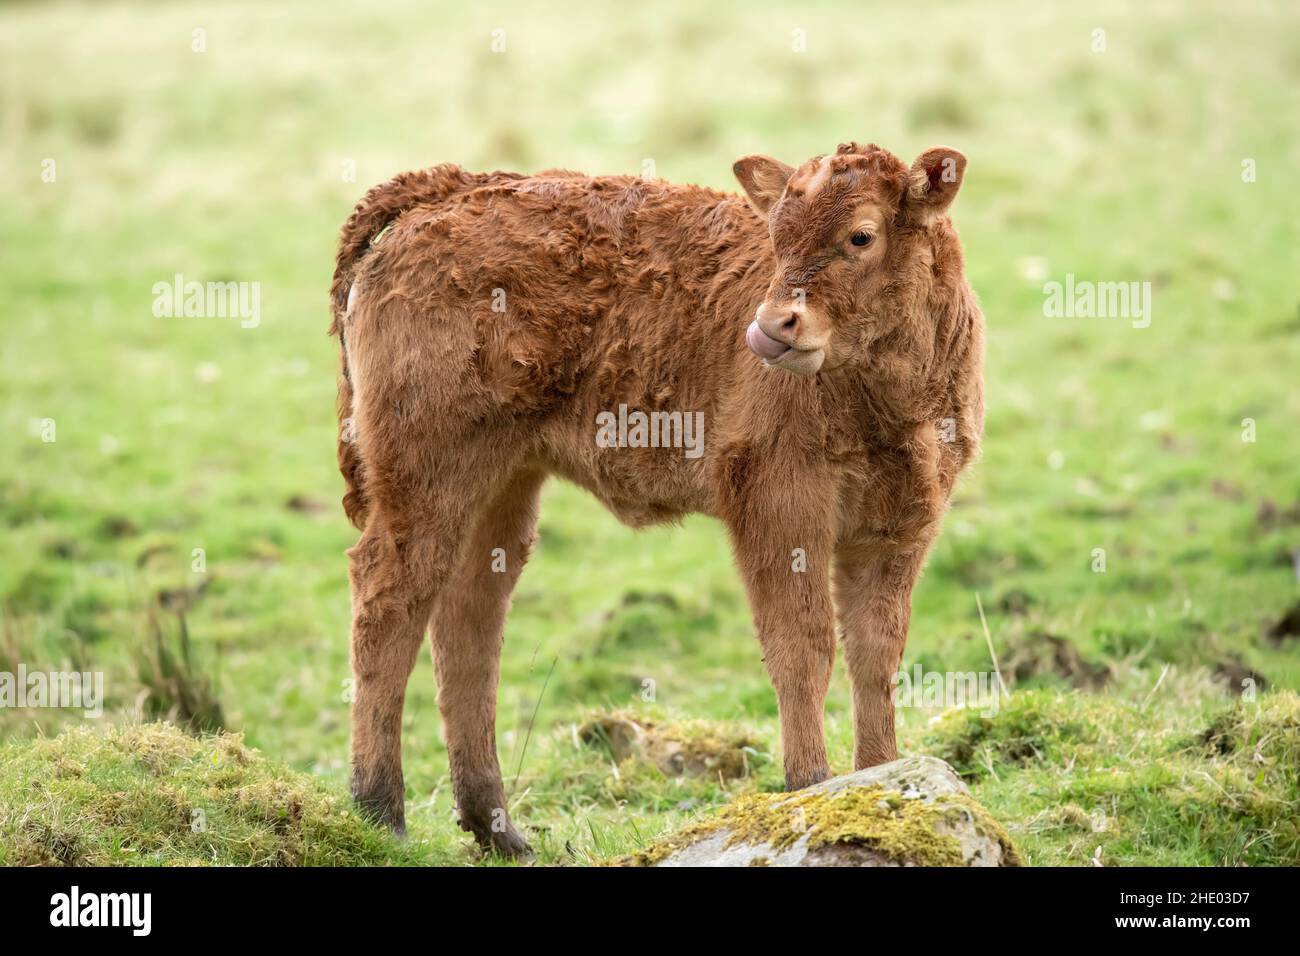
(1263, 734)
(1030, 726)
(175, 686)
(152, 795)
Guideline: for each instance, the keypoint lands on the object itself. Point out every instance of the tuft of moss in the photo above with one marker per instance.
(153, 795)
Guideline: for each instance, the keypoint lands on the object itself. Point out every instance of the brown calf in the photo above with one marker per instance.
(824, 329)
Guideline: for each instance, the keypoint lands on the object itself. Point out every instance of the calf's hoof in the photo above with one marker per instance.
(502, 839)
(864, 759)
(384, 806)
(797, 781)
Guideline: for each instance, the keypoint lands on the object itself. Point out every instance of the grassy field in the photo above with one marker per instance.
(1167, 157)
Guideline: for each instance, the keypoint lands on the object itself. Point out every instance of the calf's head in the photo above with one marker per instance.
(844, 228)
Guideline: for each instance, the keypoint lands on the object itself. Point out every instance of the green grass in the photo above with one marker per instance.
(181, 434)
(1082, 775)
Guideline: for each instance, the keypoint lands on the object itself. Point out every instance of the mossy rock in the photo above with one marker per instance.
(912, 812)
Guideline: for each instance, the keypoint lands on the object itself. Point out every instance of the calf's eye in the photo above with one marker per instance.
(861, 239)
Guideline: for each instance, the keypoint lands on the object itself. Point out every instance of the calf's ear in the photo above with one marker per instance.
(764, 180)
(932, 184)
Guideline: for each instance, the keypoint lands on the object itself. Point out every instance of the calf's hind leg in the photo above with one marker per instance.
(390, 603)
(467, 634)
(398, 568)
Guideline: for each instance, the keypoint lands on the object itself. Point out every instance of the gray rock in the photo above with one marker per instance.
(911, 812)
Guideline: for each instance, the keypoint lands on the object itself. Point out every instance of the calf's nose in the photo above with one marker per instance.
(782, 323)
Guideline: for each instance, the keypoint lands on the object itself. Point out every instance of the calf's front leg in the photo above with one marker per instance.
(873, 595)
(787, 578)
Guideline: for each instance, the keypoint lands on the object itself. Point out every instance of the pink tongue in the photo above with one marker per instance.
(762, 344)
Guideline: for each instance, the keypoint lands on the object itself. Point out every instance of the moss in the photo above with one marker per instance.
(908, 832)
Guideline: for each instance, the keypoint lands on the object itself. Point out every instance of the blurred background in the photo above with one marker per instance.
(181, 531)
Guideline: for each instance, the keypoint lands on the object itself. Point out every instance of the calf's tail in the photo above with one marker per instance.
(376, 210)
